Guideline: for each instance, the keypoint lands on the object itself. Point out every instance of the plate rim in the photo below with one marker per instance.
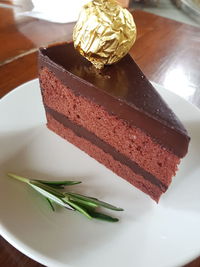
(156, 85)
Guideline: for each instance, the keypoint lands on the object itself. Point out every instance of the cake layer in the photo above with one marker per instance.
(128, 140)
(154, 188)
(120, 85)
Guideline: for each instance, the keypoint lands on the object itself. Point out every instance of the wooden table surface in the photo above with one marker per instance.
(167, 51)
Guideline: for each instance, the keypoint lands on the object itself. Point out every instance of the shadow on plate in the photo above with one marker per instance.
(184, 190)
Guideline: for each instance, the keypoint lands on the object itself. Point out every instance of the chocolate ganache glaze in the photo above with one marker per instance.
(122, 89)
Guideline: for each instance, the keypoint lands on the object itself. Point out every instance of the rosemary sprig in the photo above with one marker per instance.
(50, 203)
(93, 200)
(72, 201)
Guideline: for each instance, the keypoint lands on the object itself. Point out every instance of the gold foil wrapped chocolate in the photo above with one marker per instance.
(104, 32)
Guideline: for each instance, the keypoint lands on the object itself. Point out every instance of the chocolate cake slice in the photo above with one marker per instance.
(115, 115)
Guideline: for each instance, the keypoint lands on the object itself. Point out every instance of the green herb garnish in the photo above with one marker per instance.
(53, 193)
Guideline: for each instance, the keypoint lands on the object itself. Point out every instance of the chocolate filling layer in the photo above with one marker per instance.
(84, 133)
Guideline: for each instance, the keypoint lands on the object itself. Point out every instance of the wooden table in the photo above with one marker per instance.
(167, 51)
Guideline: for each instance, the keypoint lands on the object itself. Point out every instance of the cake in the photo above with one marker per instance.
(115, 115)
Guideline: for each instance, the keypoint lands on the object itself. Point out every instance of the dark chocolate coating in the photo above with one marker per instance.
(122, 89)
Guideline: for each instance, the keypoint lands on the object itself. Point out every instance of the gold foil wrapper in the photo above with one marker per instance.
(104, 32)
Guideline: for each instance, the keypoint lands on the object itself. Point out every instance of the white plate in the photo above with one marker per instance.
(163, 235)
